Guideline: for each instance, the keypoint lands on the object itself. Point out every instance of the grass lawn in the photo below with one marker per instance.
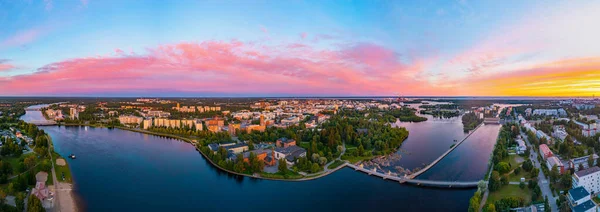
(517, 178)
(62, 169)
(14, 161)
(510, 191)
(287, 175)
(353, 159)
(335, 164)
(512, 160)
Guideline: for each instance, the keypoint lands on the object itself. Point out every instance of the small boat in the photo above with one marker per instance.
(72, 156)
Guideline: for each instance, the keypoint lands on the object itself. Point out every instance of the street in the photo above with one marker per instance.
(542, 180)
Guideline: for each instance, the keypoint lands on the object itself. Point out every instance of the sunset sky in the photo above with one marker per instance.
(299, 48)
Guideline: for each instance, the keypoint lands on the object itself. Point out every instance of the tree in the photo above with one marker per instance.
(554, 174)
(522, 185)
(474, 202)
(34, 204)
(590, 161)
(315, 168)
(20, 201)
(282, 167)
(494, 181)
(2, 197)
(490, 208)
(580, 167)
(546, 204)
(503, 167)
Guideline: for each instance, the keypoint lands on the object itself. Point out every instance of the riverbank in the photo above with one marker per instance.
(256, 176)
(64, 200)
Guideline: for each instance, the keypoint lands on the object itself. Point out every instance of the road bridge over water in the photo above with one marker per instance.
(406, 179)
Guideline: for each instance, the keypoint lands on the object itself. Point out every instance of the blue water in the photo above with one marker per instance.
(119, 170)
(469, 161)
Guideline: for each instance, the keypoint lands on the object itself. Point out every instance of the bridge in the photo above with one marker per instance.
(491, 120)
(406, 179)
(32, 109)
(413, 175)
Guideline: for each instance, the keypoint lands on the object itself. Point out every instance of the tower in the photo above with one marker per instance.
(177, 105)
(262, 120)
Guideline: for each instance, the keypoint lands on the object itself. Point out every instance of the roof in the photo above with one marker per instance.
(554, 161)
(578, 193)
(235, 146)
(213, 146)
(585, 172)
(286, 140)
(584, 206)
(289, 150)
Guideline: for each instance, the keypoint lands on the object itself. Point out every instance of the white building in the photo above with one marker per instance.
(580, 200)
(130, 119)
(74, 114)
(147, 123)
(583, 161)
(588, 178)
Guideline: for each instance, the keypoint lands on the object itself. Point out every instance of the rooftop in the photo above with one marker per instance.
(584, 206)
(578, 193)
(582, 173)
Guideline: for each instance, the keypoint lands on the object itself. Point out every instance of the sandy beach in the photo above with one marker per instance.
(64, 197)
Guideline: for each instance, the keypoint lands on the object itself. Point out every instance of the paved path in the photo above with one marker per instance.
(56, 200)
(542, 180)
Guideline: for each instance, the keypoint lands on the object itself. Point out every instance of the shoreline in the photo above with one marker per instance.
(190, 141)
(64, 200)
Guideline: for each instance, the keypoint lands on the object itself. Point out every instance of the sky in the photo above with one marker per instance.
(299, 48)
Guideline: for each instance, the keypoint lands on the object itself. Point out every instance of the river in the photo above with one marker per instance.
(118, 170)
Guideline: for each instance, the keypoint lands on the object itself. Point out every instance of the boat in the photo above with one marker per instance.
(72, 156)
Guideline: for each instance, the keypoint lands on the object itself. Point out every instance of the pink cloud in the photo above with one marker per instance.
(227, 67)
(303, 35)
(21, 38)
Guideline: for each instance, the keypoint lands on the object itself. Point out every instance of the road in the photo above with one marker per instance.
(56, 201)
(542, 180)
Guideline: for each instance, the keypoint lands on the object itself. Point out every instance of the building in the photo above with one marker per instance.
(233, 128)
(262, 155)
(580, 200)
(129, 119)
(554, 161)
(588, 178)
(588, 130)
(560, 132)
(545, 151)
(540, 134)
(550, 112)
(290, 153)
(237, 148)
(284, 142)
(583, 161)
(147, 123)
(254, 127)
(73, 113)
(584, 106)
(198, 125)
